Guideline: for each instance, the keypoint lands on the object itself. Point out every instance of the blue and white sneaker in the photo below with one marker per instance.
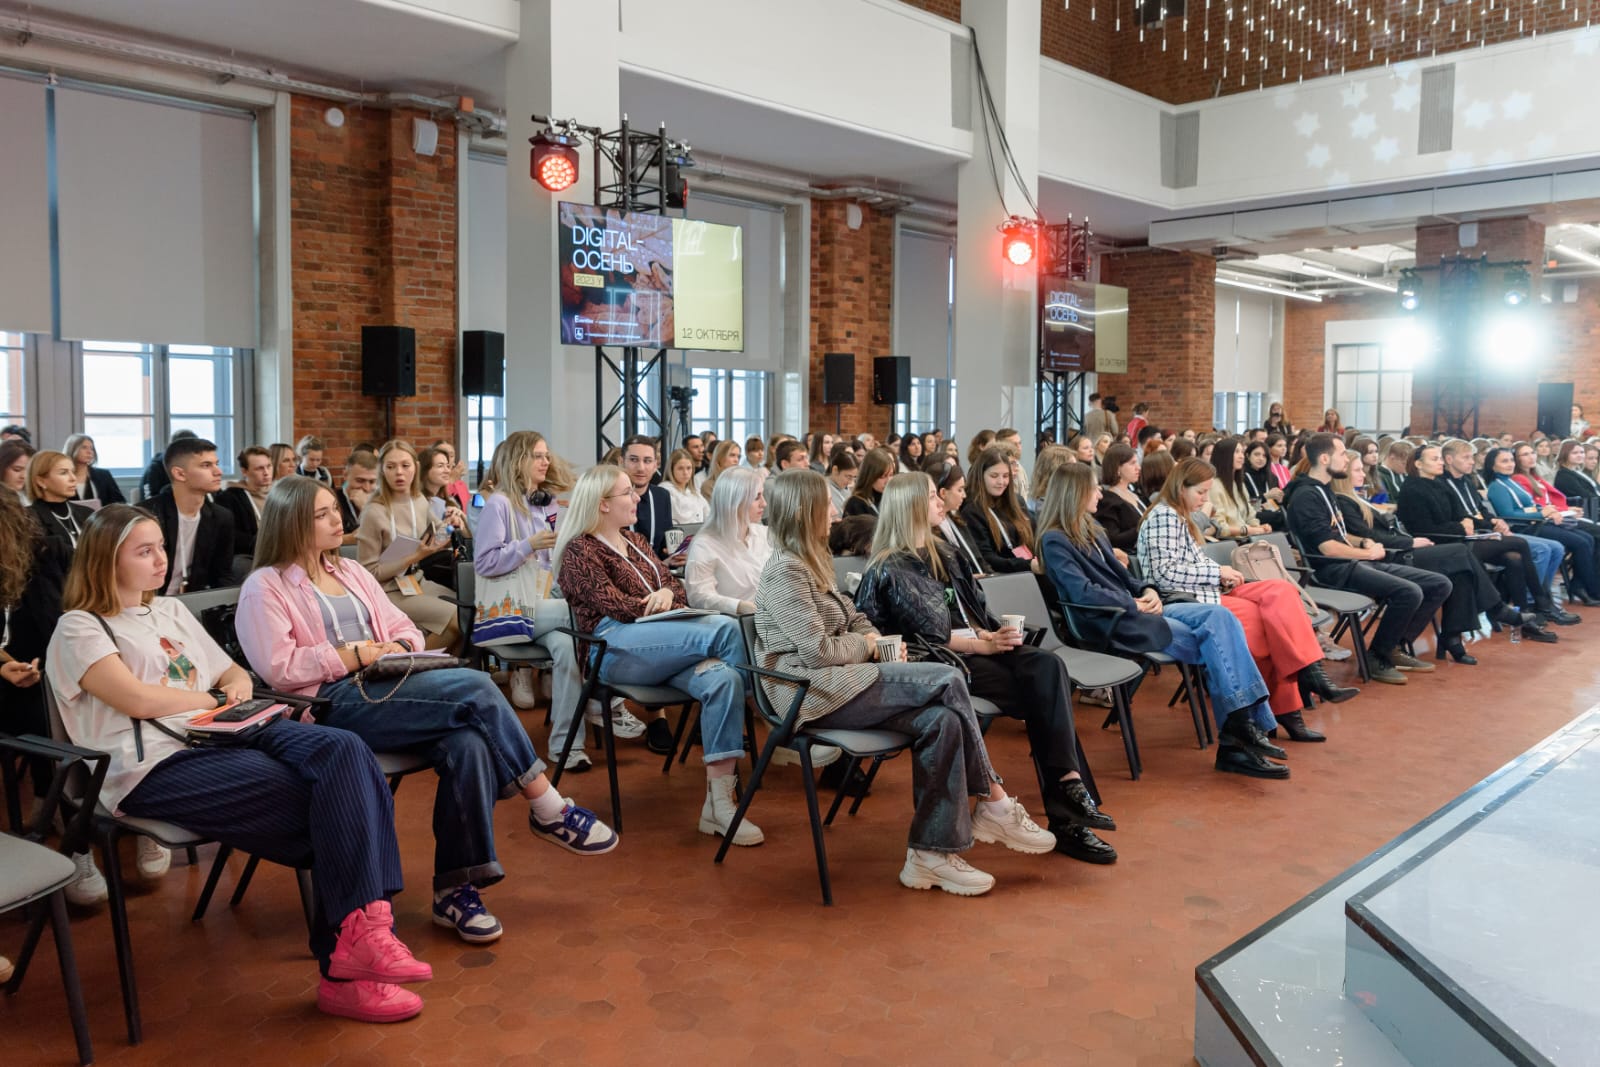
(579, 830)
(463, 909)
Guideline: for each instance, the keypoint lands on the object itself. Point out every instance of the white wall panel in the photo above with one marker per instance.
(24, 208)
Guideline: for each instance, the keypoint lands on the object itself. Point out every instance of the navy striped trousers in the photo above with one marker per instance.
(299, 795)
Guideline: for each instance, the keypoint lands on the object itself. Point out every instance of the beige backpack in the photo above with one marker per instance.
(1259, 561)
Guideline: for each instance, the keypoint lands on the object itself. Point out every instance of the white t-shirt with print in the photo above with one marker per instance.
(162, 644)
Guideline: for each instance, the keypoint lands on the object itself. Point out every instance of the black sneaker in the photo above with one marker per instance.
(1384, 671)
(658, 737)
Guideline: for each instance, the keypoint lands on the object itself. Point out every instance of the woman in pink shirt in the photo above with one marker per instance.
(310, 620)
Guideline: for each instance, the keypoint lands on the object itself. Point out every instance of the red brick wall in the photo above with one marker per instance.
(1172, 325)
(373, 240)
(1572, 344)
(852, 290)
(1305, 349)
(950, 9)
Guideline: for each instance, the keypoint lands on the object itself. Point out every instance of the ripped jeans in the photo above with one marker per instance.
(671, 653)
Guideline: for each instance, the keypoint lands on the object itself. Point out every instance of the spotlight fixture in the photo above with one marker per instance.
(1410, 290)
(1518, 282)
(554, 161)
(1019, 240)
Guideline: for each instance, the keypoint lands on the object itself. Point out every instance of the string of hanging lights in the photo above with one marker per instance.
(1257, 43)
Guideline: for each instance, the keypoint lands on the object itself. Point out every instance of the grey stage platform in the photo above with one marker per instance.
(1471, 939)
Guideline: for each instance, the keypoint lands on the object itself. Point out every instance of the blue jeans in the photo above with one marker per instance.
(1547, 556)
(687, 654)
(1210, 634)
(459, 720)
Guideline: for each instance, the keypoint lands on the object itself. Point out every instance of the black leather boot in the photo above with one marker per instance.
(1295, 727)
(1081, 808)
(1238, 728)
(1314, 680)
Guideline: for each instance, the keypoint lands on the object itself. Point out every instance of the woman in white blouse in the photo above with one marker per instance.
(687, 503)
(726, 556)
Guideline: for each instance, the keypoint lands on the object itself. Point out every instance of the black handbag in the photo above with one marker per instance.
(402, 667)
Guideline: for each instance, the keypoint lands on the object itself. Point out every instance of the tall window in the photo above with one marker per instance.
(119, 403)
(13, 398)
(1372, 387)
(932, 407)
(1237, 412)
(135, 395)
(485, 414)
(730, 403)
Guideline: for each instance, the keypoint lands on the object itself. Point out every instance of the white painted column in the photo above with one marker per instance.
(565, 66)
(996, 318)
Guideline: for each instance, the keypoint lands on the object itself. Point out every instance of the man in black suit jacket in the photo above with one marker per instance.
(639, 462)
(197, 534)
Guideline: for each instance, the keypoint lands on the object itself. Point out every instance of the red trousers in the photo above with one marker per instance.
(1279, 634)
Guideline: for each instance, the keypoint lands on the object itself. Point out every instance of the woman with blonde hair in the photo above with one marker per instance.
(918, 586)
(688, 506)
(130, 669)
(399, 509)
(725, 457)
(516, 533)
(612, 579)
(313, 623)
(1049, 460)
(726, 556)
(805, 627)
(284, 460)
(90, 482)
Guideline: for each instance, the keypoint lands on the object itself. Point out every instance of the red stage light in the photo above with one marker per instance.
(1019, 240)
(1019, 249)
(554, 163)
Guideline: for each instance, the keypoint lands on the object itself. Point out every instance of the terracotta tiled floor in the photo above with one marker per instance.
(654, 952)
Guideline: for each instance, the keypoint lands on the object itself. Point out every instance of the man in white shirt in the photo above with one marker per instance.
(197, 534)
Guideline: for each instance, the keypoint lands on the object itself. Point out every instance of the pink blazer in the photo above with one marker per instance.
(280, 625)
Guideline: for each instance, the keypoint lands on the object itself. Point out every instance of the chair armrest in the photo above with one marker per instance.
(786, 726)
(71, 761)
(580, 637)
(1114, 613)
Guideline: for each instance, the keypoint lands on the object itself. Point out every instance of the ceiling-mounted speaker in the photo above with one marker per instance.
(424, 136)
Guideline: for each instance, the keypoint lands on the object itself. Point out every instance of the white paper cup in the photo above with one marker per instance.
(674, 539)
(1013, 622)
(891, 649)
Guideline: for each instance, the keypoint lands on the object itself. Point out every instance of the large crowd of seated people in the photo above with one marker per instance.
(1119, 526)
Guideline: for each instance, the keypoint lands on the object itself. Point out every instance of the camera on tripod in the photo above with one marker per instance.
(681, 394)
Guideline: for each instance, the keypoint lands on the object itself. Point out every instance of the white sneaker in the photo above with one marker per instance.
(522, 689)
(1099, 698)
(577, 762)
(1011, 827)
(625, 725)
(821, 756)
(5, 970)
(88, 886)
(154, 858)
(944, 870)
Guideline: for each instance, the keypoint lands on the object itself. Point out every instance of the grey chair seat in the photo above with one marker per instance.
(862, 742)
(169, 834)
(523, 652)
(29, 872)
(1160, 657)
(1095, 670)
(393, 763)
(1338, 601)
(650, 694)
(986, 709)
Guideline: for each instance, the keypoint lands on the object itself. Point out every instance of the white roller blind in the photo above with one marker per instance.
(24, 208)
(922, 303)
(156, 221)
(486, 244)
(762, 242)
(1243, 346)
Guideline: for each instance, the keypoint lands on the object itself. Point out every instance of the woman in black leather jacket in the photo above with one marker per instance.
(917, 586)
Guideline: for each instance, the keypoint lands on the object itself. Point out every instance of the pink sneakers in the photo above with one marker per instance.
(368, 951)
(368, 1002)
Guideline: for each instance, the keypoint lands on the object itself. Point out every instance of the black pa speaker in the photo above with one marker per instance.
(483, 363)
(839, 378)
(388, 361)
(1555, 409)
(891, 379)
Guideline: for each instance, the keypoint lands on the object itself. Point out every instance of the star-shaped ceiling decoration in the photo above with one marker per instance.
(1478, 114)
(1307, 124)
(1517, 106)
(1318, 156)
(1362, 126)
(1385, 150)
(1405, 98)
